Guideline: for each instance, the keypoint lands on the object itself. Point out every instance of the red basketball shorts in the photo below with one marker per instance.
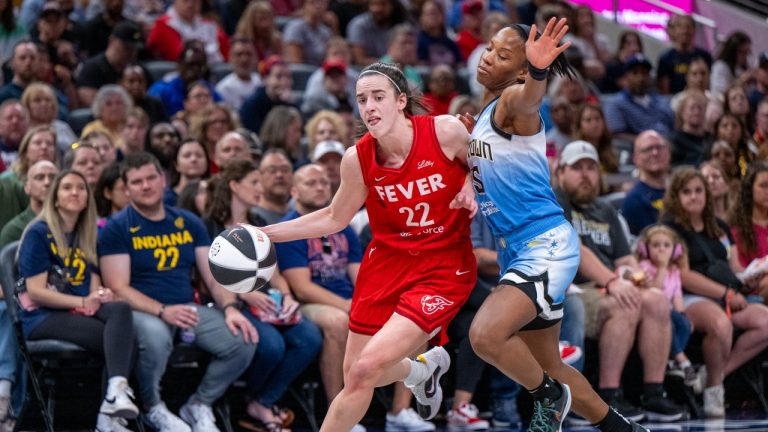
(428, 288)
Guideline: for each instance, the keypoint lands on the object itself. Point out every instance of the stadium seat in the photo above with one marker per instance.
(157, 69)
(79, 118)
(300, 74)
(40, 356)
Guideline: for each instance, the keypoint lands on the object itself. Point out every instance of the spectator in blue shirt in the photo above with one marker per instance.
(636, 108)
(645, 200)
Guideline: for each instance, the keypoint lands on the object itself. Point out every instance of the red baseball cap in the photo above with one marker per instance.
(266, 65)
(334, 64)
(471, 6)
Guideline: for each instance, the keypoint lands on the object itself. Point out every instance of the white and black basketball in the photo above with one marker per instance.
(242, 259)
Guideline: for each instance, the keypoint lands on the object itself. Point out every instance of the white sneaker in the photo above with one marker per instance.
(105, 423)
(358, 428)
(162, 420)
(407, 421)
(429, 394)
(714, 402)
(118, 401)
(199, 416)
(465, 418)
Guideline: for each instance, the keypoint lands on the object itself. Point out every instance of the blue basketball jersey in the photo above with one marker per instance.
(511, 179)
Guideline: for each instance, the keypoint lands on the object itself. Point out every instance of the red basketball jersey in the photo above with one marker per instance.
(408, 206)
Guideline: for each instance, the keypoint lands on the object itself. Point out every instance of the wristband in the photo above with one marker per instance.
(536, 73)
(160, 312)
(724, 298)
(234, 304)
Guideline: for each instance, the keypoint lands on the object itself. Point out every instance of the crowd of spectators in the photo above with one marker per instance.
(127, 123)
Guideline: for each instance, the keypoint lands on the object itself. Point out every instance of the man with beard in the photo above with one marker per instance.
(625, 310)
(636, 108)
(643, 202)
(276, 181)
(24, 63)
(163, 140)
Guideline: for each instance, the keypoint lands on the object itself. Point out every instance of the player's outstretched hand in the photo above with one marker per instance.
(467, 120)
(236, 323)
(465, 199)
(543, 51)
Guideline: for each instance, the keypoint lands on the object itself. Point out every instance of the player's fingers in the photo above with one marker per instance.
(550, 27)
(561, 34)
(532, 34)
(557, 28)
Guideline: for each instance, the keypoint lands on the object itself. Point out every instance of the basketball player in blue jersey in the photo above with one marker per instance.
(517, 328)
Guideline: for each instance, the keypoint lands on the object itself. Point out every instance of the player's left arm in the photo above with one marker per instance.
(454, 140)
(234, 319)
(521, 104)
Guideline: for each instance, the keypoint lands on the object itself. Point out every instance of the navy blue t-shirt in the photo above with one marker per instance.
(162, 252)
(38, 254)
(328, 267)
(641, 206)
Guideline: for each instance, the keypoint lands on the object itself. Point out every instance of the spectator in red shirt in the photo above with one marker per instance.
(442, 90)
(182, 22)
(470, 36)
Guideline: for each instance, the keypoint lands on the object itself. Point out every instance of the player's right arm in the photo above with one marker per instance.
(348, 200)
(300, 280)
(116, 272)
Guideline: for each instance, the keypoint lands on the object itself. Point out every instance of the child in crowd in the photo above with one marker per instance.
(660, 253)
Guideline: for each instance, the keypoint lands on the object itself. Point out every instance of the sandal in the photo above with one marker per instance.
(286, 415)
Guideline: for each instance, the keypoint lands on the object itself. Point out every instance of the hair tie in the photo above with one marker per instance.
(384, 75)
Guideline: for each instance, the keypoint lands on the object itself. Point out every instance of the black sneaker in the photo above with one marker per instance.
(548, 416)
(659, 408)
(625, 408)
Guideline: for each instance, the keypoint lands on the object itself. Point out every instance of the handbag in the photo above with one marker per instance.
(57, 281)
(718, 270)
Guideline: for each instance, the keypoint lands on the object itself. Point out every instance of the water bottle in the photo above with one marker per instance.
(188, 334)
(277, 297)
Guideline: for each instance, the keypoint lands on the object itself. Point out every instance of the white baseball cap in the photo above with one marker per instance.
(324, 147)
(576, 151)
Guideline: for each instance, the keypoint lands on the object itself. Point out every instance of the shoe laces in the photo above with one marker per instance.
(542, 413)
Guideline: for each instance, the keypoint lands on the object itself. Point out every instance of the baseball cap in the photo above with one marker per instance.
(637, 59)
(324, 147)
(51, 8)
(471, 6)
(267, 64)
(576, 151)
(128, 33)
(334, 64)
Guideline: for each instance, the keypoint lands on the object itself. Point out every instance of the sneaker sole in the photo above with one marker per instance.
(125, 413)
(567, 407)
(428, 412)
(664, 418)
(462, 428)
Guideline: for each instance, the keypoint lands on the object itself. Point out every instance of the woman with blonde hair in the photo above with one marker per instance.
(258, 24)
(719, 188)
(39, 143)
(110, 108)
(211, 123)
(43, 108)
(64, 298)
(326, 125)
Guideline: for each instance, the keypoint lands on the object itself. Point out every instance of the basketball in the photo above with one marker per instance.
(242, 259)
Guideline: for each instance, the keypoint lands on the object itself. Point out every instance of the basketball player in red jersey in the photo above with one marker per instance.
(411, 174)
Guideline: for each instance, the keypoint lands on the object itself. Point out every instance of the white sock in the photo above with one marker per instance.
(5, 388)
(419, 373)
(685, 364)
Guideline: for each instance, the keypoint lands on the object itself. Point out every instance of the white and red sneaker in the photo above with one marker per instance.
(464, 418)
(569, 354)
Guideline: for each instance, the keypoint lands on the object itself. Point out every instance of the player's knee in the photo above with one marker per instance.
(363, 373)
(483, 340)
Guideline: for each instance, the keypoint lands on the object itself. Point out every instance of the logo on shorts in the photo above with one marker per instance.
(431, 304)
